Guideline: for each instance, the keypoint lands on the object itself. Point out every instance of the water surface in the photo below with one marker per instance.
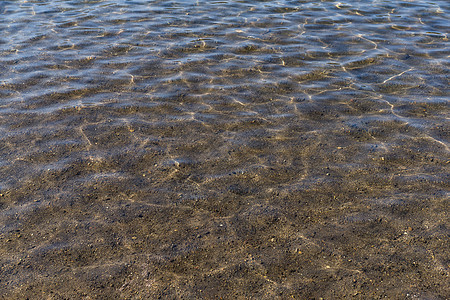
(224, 149)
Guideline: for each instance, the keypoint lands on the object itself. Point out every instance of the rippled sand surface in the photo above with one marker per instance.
(224, 149)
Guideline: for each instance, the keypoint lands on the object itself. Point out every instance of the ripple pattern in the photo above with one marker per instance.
(224, 149)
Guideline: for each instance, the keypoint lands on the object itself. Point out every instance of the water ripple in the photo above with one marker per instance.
(200, 149)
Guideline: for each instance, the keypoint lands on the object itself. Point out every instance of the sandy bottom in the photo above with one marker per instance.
(240, 209)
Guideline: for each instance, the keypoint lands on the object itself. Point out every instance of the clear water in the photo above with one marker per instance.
(224, 149)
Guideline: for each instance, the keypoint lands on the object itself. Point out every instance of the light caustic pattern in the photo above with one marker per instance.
(234, 149)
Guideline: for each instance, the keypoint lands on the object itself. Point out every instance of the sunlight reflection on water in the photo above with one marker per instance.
(224, 149)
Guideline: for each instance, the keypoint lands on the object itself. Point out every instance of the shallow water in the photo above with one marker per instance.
(224, 149)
